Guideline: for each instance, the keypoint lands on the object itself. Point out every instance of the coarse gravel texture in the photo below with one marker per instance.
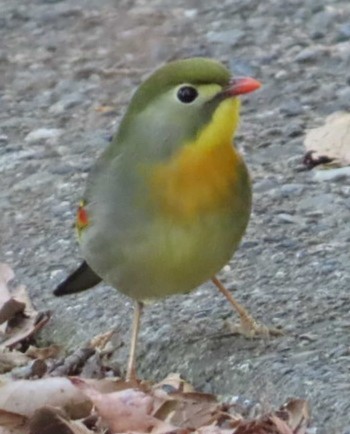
(67, 70)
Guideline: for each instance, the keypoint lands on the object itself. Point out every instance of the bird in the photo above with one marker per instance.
(169, 199)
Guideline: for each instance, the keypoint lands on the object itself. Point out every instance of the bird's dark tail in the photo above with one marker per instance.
(82, 278)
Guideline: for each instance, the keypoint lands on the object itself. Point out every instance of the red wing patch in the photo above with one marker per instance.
(82, 217)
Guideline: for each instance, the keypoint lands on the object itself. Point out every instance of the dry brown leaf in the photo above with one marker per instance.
(194, 414)
(26, 396)
(261, 426)
(185, 409)
(213, 429)
(12, 420)
(281, 426)
(28, 327)
(11, 359)
(51, 420)
(174, 383)
(105, 109)
(94, 367)
(8, 305)
(44, 353)
(100, 341)
(291, 418)
(6, 275)
(331, 140)
(296, 412)
(9, 309)
(35, 368)
(72, 363)
(190, 409)
(28, 321)
(125, 410)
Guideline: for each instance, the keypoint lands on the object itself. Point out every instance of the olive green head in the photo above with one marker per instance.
(173, 105)
(195, 72)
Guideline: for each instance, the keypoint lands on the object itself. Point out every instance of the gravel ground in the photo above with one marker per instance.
(67, 70)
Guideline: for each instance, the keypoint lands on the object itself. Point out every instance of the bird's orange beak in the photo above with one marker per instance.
(241, 85)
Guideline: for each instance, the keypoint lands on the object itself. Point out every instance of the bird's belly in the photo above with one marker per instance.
(165, 258)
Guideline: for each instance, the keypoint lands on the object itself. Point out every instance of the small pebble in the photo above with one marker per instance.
(292, 108)
(286, 218)
(292, 189)
(4, 139)
(332, 174)
(343, 32)
(307, 55)
(227, 37)
(191, 13)
(43, 134)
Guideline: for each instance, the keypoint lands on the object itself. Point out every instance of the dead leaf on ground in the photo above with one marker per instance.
(73, 363)
(26, 396)
(329, 143)
(27, 328)
(34, 369)
(174, 383)
(44, 353)
(49, 420)
(194, 414)
(18, 317)
(296, 412)
(292, 418)
(11, 359)
(177, 403)
(8, 305)
(139, 411)
(125, 410)
(12, 420)
(100, 341)
(106, 109)
(52, 404)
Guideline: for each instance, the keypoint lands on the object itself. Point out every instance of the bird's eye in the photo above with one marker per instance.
(187, 94)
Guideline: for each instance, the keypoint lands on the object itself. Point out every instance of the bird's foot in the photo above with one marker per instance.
(250, 328)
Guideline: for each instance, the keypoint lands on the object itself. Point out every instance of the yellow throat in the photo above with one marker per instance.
(199, 177)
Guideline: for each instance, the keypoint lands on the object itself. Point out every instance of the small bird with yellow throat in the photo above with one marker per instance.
(168, 201)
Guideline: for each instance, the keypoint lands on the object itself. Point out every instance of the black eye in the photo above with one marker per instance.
(187, 94)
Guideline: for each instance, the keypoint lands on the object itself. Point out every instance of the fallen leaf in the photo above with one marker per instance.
(51, 420)
(73, 363)
(9, 309)
(44, 353)
(28, 327)
(17, 307)
(35, 368)
(260, 426)
(12, 420)
(174, 383)
(330, 142)
(6, 275)
(105, 109)
(8, 306)
(24, 397)
(281, 426)
(296, 412)
(192, 413)
(11, 359)
(93, 367)
(291, 418)
(100, 341)
(213, 429)
(125, 410)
